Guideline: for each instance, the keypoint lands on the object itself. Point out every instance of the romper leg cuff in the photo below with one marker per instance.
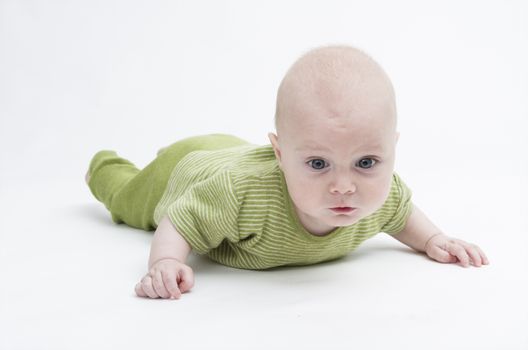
(104, 180)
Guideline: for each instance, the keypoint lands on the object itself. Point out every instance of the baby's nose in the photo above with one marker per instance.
(343, 186)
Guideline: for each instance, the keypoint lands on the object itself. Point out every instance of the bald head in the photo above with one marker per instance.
(334, 82)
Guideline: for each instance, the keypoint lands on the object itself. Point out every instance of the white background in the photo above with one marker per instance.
(132, 76)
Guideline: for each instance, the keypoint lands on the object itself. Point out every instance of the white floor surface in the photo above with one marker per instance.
(77, 77)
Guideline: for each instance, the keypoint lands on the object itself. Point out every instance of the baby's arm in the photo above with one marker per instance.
(168, 274)
(422, 235)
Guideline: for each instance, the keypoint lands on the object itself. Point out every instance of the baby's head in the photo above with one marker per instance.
(336, 136)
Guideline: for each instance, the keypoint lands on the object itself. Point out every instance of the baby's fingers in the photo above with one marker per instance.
(481, 255)
(474, 254)
(459, 251)
(171, 285)
(146, 286)
(485, 260)
(139, 291)
(477, 255)
(159, 286)
(441, 255)
(186, 279)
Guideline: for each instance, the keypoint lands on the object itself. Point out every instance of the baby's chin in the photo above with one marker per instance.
(340, 220)
(344, 223)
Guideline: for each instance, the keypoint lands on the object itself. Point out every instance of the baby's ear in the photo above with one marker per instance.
(275, 144)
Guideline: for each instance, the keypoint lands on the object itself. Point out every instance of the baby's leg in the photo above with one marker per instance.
(131, 195)
(108, 176)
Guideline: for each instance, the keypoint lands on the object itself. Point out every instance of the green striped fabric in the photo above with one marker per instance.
(232, 204)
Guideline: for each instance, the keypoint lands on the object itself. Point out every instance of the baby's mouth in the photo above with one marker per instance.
(343, 210)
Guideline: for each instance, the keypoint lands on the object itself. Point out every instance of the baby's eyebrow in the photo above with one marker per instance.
(311, 148)
(375, 148)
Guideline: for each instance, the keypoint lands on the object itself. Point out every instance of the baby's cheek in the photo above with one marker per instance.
(304, 190)
(385, 194)
(304, 193)
(381, 193)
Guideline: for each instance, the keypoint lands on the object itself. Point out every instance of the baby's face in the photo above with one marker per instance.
(336, 162)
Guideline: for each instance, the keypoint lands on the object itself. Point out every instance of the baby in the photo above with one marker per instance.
(325, 183)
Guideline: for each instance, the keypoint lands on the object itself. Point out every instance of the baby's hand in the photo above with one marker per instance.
(450, 250)
(167, 278)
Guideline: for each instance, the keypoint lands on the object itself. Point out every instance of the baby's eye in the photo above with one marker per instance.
(366, 163)
(317, 164)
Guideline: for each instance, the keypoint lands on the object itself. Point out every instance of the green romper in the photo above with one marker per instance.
(229, 200)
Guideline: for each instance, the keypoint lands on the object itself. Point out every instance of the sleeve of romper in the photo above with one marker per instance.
(207, 213)
(399, 205)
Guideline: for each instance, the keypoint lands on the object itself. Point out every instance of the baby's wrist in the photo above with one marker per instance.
(164, 258)
(429, 240)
